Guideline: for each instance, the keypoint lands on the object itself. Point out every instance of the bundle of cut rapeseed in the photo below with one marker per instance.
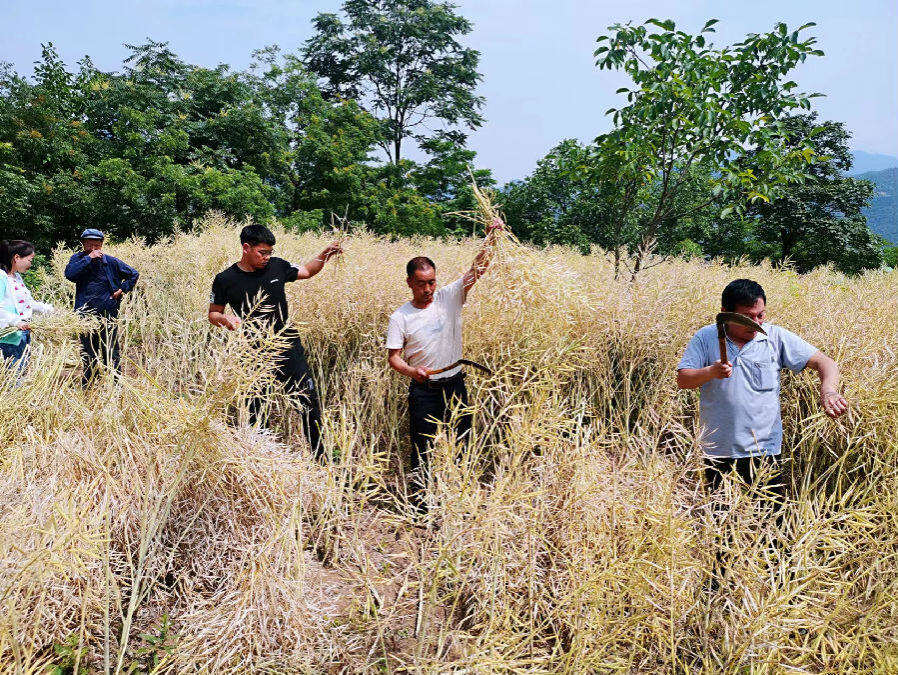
(58, 327)
(524, 282)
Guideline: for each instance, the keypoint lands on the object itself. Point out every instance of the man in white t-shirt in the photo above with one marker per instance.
(428, 331)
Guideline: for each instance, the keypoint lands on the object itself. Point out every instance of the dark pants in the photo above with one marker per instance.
(293, 372)
(100, 347)
(16, 356)
(747, 468)
(429, 404)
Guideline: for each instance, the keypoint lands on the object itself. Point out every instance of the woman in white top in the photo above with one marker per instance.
(17, 305)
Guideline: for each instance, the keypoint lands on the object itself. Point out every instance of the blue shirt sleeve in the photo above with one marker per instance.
(78, 263)
(794, 352)
(128, 276)
(695, 355)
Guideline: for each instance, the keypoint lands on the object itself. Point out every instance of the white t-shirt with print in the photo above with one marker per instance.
(430, 337)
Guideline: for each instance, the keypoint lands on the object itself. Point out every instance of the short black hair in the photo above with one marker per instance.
(741, 293)
(10, 249)
(256, 234)
(419, 263)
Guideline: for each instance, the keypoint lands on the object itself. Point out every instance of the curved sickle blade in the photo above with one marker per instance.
(733, 317)
(461, 362)
(479, 366)
(723, 318)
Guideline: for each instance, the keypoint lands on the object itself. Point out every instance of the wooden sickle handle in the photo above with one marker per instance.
(442, 370)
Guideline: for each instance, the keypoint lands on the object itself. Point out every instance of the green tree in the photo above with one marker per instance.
(321, 161)
(148, 150)
(558, 204)
(402, 61)
(391, 205)
(693, 107)
(178, 140)
(445, 179)
(819, 221)
(890, 256)
(42, 145)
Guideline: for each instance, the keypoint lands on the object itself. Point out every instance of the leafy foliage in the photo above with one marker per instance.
(820, 220)
(149, 150)
(402, 61)
(69, 657)
(890, 256)
(693, 107)
(710, 154)
(557, 204)
(445, 179)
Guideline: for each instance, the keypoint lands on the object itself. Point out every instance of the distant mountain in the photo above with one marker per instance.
(882, 214)
(865, 162)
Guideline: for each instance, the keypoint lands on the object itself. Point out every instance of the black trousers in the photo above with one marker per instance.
(293, 372)
(428, 405)
(747, 468)
(100, 347)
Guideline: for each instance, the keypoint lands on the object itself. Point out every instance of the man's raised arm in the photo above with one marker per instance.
(482, 261)
(314, 266)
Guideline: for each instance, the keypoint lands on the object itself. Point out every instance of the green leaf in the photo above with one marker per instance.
(667, 24)
(755, 196)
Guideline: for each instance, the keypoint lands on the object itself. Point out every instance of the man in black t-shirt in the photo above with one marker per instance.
(254, 288)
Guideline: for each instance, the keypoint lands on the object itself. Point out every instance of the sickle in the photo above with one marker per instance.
(732, 317)
(461, 362)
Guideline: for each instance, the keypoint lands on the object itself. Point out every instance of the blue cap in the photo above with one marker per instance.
(91, 233)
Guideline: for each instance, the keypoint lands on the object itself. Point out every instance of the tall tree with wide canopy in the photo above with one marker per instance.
(43, 144)
(403, 62)
(321, 162)
(693, 107)
(555, 205)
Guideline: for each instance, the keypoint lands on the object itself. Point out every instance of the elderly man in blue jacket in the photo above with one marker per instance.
(100, 282)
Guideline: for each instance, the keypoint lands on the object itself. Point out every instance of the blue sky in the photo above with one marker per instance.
(539, 80)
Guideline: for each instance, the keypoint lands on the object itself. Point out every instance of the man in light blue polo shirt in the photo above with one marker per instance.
(740, 401)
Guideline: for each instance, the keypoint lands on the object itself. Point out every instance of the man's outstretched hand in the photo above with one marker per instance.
(230, 321)
(334, 249)
(833, 404)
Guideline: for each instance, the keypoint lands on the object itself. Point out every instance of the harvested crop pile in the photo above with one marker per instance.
(143, 527)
